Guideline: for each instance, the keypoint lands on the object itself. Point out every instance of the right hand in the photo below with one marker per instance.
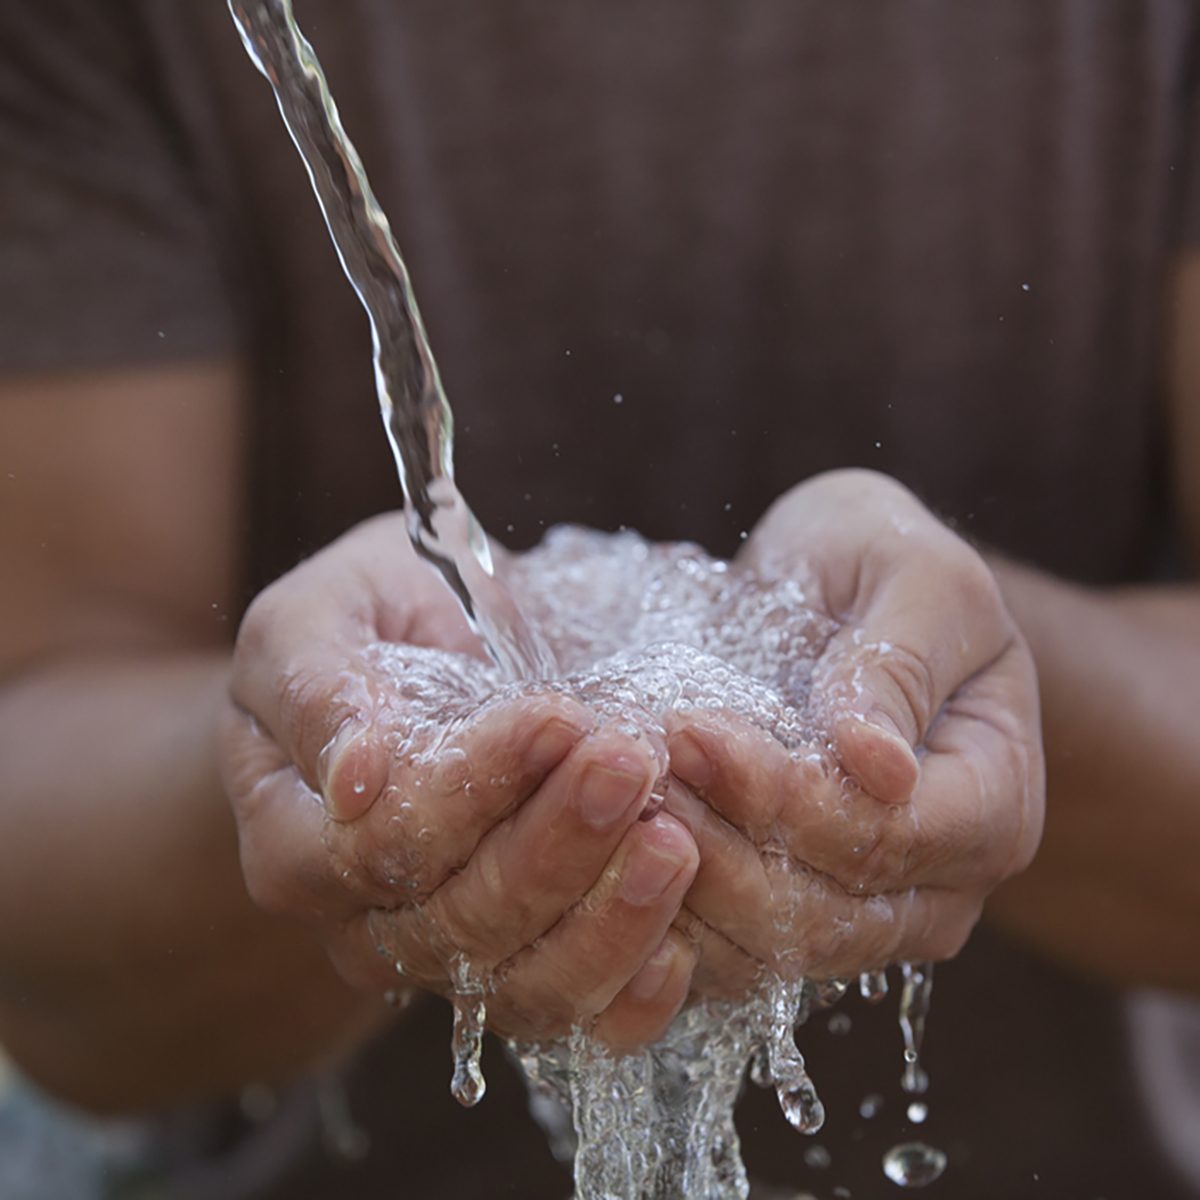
(516, 846)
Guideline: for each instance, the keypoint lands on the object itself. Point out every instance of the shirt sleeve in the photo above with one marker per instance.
(109, 252)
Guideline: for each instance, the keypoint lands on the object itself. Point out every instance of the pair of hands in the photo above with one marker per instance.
(522, 836)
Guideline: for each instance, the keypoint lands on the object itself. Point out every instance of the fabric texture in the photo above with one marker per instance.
(786, 236)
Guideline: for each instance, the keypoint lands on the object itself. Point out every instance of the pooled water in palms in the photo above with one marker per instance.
(638, 632)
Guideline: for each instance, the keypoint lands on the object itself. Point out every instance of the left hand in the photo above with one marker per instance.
(923, 788)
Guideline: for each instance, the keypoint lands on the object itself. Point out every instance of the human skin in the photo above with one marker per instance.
(115, 642)
(517, 878)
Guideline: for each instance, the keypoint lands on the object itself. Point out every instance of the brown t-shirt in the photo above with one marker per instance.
(674, 256)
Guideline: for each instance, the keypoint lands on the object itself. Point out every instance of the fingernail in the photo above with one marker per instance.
(607, 791)
(689, 761)
(656, 860)
(653, 976)
(354, 778)
(551, 743)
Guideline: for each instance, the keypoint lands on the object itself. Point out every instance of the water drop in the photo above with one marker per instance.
(917, 1112)
(840, 1024)
(801, 1105)
(870, 1105)
(914, 1008)
(618, 399)
(873, 986)
(913, 1164)
(468, 1085)
(818, 1158)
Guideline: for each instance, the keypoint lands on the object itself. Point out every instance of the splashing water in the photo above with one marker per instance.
(658, 1123)
(643, 632)
(416, 414)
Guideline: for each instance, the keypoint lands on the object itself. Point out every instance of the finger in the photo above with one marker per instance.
(531, 868)
(796, 801)
(576, 971)
(649, 1002)
(731, 892)
(886, 674)
(296, 859)
(297, 664)
(823, 932)
(281, 822)
(440, 804)
(980, 802)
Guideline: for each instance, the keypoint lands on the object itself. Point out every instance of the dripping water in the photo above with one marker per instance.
(653, 1124)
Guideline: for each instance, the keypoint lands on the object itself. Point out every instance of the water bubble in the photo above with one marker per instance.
(913, 1164)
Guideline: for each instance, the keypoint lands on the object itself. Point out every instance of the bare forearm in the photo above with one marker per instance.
(133, 968)
(1114, 890)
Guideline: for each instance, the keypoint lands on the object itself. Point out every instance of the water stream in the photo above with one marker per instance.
(658, 1123)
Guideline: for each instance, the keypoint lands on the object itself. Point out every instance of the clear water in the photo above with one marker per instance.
(913, 1164)
(416, 415)
(637, 632)
(644, 631)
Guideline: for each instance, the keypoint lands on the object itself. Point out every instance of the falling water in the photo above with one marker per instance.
(659, 1123)
(413, 405)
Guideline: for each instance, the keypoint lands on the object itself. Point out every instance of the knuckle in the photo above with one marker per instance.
(910, 678)
(881, 862)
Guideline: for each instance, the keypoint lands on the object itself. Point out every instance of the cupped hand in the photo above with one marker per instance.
(922, 787)
(494, 835)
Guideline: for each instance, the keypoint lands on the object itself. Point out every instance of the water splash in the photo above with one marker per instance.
(416, 414)
(659, 1123)
(644, 631)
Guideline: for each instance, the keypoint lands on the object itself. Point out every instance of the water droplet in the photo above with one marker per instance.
(1025, 287)
(917, 1112)
(618, 399)
(801, 1105)
(870, 1105)
(818, 1157)
(873, 986)
(468, 1085)
(840, 1024)
(913, 1164)
(359, 787)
